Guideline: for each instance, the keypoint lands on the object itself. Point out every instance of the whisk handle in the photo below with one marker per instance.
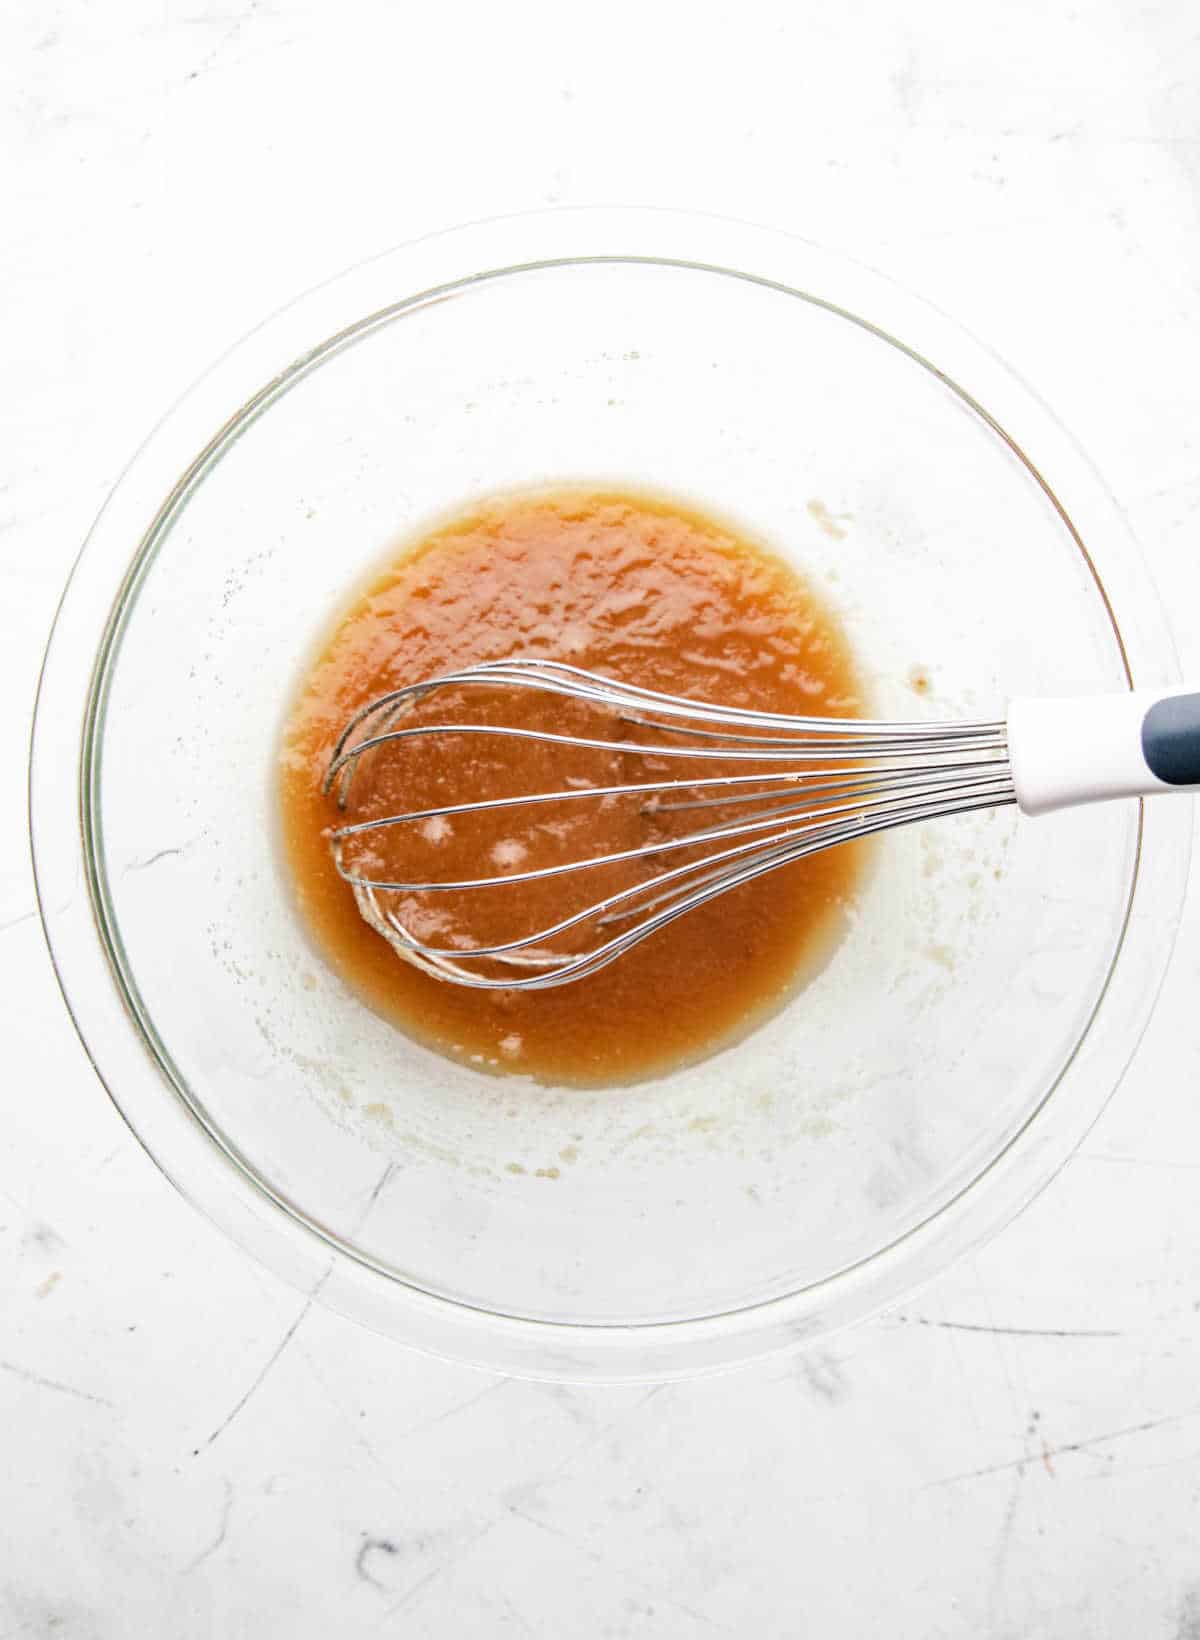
(1090, 749)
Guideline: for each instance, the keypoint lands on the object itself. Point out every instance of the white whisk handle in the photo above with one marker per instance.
(1087, 750)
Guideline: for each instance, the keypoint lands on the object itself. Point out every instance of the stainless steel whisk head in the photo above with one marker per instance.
(816, 783)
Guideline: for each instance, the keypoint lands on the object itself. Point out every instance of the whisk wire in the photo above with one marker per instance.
(845, 779)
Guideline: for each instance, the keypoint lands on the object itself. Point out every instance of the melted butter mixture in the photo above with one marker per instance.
(640, 589)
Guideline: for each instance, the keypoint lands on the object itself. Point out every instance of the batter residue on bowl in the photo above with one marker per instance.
(641, 589)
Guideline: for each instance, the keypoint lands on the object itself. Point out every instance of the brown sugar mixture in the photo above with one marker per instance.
(644, 591)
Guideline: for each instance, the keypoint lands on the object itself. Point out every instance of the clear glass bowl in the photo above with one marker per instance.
(998, 973)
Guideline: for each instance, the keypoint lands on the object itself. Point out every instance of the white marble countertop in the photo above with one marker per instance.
(192, 1450)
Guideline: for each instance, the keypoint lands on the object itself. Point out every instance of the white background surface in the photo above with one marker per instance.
(189, 1449)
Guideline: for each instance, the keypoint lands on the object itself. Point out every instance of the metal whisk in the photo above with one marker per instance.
(817, 783)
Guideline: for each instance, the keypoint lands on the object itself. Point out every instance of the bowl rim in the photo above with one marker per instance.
(63, 777)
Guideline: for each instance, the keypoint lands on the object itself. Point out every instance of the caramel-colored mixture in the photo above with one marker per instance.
(642, 590)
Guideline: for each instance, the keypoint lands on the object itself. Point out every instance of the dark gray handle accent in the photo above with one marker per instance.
(1171, 740)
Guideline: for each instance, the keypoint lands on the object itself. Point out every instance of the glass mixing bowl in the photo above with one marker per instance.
(997, 973)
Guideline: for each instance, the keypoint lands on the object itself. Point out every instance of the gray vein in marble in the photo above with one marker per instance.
(1010, 1332)
(222, 1532)
(527, 1492)
(823, 1374)
(360, 1438)
(512, 1612)
(240, 1404)
(610, 1565)
(1003, 1544)
(382, 1468)
(1189, 1614)
(376, 1191)
(369, 1547)
(15, 922)
(291, 1331)
(53, 1384)
(151, 859)
(1141, 1161)
(236, 24)
(567, 1397)
(45, 1238)
(1048, 1453)
(440, 1569)
(456, 1409)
